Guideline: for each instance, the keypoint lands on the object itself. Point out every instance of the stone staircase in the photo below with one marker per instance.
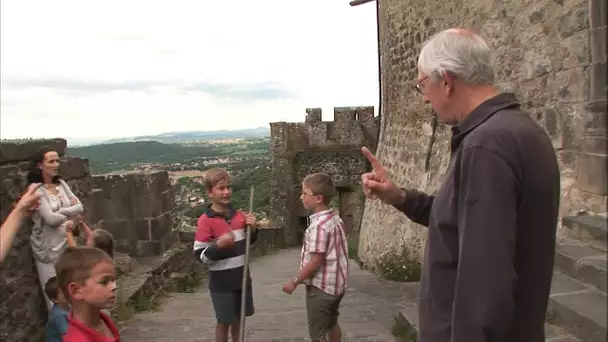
(577, 304)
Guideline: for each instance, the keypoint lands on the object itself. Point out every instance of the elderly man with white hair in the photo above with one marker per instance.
(489, 256)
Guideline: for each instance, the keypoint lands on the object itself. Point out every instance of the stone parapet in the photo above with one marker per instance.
(137, 211)
(134, 207)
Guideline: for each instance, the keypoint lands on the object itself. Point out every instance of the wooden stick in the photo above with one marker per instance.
(245, 271)
(359, 2)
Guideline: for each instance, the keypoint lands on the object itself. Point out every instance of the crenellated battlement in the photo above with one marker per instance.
(351, 127)
(301, 148)
(342, 114)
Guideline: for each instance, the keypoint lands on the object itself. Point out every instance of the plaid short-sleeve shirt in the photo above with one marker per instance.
(326, 234)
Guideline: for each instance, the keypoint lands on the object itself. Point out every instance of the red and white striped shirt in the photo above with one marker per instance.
(326, 234)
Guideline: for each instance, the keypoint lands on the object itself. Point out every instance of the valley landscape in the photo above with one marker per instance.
(186, 155)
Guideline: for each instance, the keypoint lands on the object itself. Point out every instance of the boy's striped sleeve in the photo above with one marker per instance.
(205, 247)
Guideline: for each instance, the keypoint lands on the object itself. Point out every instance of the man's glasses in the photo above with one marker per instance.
(417, 85)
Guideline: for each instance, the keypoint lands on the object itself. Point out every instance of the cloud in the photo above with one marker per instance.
(74, 68)
(263, 91)
(82, 85)
(247, 92)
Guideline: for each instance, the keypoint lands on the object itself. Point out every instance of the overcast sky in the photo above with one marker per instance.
(107, 69)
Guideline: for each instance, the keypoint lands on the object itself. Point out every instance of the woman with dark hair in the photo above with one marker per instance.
(57, 205)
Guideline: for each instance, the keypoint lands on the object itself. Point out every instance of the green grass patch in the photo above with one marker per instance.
(403, 332)
(399, 266)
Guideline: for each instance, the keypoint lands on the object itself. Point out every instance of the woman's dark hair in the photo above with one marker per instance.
(35, 174)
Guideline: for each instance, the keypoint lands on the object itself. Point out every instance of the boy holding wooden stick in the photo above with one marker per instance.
(220, 242)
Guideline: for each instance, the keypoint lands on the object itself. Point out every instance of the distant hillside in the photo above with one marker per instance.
(132, 152)
(106, 157)
(182, 137)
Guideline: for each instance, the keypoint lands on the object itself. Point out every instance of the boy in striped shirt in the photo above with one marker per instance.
(220, 242)
(323, 260)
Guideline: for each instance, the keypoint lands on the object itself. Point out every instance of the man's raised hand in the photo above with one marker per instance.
(377, 185)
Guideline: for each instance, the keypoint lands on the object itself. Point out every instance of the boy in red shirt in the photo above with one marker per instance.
(220, 243)
(87, 277)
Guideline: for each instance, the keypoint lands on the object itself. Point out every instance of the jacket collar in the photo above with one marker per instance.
(228, 215)
(480, 114)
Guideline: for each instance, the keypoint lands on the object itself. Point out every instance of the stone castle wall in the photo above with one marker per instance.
(134, 207)
(299, 149)
(137, 210)
(551, 53)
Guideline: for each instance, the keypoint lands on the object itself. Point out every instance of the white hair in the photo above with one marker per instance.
(463, 55)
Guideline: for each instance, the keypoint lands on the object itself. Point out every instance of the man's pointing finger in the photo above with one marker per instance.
(371, 158)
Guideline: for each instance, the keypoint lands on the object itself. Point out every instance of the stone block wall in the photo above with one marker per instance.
(551, 53)
(299, 149)
(592, 176)
(135, 208)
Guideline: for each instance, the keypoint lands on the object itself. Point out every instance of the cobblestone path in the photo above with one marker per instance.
(367, 312)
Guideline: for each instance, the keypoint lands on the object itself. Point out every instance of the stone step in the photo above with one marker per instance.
(567, 338)
(583, 263)
(577, 308)
(408, 319)
(591, 228)
(564, 320)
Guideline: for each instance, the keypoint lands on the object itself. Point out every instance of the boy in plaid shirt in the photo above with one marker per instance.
(323, 261)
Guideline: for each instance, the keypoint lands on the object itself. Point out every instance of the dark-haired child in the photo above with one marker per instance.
(57, 322)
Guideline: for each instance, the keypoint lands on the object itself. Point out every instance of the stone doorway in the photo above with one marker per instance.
(301, 228)
(347, 207)
(345, 204)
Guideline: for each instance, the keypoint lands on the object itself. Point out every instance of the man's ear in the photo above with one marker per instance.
(449, 81)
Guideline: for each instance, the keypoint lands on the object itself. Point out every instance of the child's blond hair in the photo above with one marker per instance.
(214, 176)
(321, 184)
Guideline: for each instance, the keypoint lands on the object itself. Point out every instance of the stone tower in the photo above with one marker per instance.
(333, 147)
(555, 62)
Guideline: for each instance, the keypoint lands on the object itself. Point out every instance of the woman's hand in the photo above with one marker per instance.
(74, 201)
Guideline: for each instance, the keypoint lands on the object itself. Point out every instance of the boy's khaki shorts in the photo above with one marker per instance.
(322, 311)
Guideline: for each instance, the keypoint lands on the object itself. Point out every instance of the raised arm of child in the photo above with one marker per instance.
(88, 232)
(69, 225)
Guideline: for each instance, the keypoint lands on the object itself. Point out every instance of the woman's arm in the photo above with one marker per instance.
(76, 207)
(48, 216)
(71, 210)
